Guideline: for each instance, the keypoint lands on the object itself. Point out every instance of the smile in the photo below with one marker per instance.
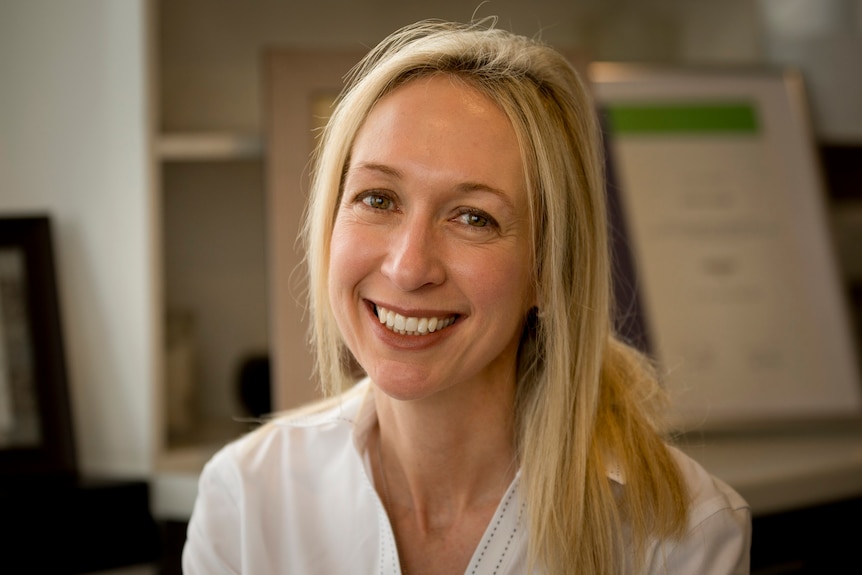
(411, 325)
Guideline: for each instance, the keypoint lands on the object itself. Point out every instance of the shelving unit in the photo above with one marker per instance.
(209, 147)
(215, 285)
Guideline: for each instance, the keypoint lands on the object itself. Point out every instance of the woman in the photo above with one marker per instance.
(457, 253)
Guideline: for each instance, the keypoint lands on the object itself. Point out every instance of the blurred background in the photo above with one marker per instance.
(141, 127)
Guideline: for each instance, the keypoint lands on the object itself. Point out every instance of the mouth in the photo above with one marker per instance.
(411, 325)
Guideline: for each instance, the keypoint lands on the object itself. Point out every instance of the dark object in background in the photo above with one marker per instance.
(255, 393)
(630, 321)
(842, 167)
(82, 527)
(54, 520)
(37, 440)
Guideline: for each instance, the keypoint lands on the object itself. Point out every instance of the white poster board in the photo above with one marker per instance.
(725, 213)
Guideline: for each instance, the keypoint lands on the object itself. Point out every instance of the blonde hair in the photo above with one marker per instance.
(585, 400)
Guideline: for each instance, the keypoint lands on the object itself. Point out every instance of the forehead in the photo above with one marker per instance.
(441, 121)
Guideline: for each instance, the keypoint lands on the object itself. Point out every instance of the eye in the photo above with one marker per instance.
(476, 218)
(376, 200)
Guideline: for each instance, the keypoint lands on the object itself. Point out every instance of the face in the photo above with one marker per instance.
(430, 267)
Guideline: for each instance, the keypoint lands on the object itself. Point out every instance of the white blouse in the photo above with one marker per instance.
(295, 496)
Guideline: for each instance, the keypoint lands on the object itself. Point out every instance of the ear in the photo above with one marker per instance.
(533, 296)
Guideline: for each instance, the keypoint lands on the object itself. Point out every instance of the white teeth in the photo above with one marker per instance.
(411, 325)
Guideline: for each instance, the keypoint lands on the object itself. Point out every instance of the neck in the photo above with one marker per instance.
(441, 457)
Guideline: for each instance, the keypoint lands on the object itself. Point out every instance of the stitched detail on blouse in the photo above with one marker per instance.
(380, 551)
(382, 554)
(497, 523)
(395, 567)
(387, 541)
(509, 542)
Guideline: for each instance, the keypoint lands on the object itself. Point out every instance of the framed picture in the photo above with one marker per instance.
(36, 438)
(724, 213)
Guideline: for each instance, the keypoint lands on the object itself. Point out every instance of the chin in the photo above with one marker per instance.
(404, 386)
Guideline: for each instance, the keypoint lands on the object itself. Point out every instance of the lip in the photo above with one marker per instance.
(409, 342)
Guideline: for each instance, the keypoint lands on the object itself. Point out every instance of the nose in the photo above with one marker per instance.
(414, 256)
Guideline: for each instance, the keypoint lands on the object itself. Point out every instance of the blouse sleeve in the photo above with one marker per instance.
(719, 545)
(717, 542)
(212, 540)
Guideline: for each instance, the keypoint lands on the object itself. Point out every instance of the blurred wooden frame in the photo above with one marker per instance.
(300, 87)
(38, 442)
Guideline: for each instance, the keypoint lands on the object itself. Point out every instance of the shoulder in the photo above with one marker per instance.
(717, 539)
(707, 493)
(261, 492)
(287, 441)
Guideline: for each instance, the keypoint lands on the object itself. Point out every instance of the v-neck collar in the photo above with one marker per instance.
(503, 541)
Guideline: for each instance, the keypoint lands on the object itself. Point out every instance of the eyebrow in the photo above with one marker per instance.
(375, 167)
(464, 187)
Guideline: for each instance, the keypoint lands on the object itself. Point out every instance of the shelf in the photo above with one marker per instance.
(208, 146)
(780, 472)
(178, 468)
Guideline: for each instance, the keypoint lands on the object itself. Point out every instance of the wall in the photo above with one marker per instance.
(210, 50)
(73, 143)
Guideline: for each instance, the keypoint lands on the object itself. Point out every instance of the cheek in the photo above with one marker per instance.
(339, 263)
(350, 257)
(503, 280)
